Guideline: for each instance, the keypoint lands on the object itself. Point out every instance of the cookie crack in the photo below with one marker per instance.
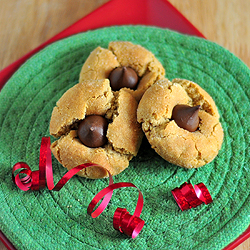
(213, 134)
(199, 157)
(87, 72)
(113, 112)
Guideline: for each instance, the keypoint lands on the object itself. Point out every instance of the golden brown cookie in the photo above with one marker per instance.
(102, 61)
(173, 143)
(124, 134)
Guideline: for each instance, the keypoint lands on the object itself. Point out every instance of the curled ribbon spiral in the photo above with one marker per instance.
(124, 222)
(131, 225)
(36, 180)
(188, 196)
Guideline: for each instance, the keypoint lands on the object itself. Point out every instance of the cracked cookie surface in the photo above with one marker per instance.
(124, 134)
(102, 61)
(175, 144)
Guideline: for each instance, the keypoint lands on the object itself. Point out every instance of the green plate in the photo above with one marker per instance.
(58, 220)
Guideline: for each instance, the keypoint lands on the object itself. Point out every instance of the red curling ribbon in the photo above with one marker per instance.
(203, 193)
(188, 196)
(36, 180)
(124, 222)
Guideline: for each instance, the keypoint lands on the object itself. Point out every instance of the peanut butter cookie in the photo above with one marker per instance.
(95, 125)
(175, 143)
(121, 54)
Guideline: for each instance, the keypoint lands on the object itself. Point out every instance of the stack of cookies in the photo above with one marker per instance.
(123, 94)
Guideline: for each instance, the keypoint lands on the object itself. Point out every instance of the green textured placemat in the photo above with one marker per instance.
(58, 220)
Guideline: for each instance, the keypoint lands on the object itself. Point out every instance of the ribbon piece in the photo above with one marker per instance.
(131, 225)
(36, 180)
(188, 196)
(124, 222)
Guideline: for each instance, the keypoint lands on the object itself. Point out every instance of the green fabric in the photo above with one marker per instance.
(58, 220)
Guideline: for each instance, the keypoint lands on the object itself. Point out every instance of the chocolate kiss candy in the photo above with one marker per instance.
(92, 131)
(123, 77)
(186, 117)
